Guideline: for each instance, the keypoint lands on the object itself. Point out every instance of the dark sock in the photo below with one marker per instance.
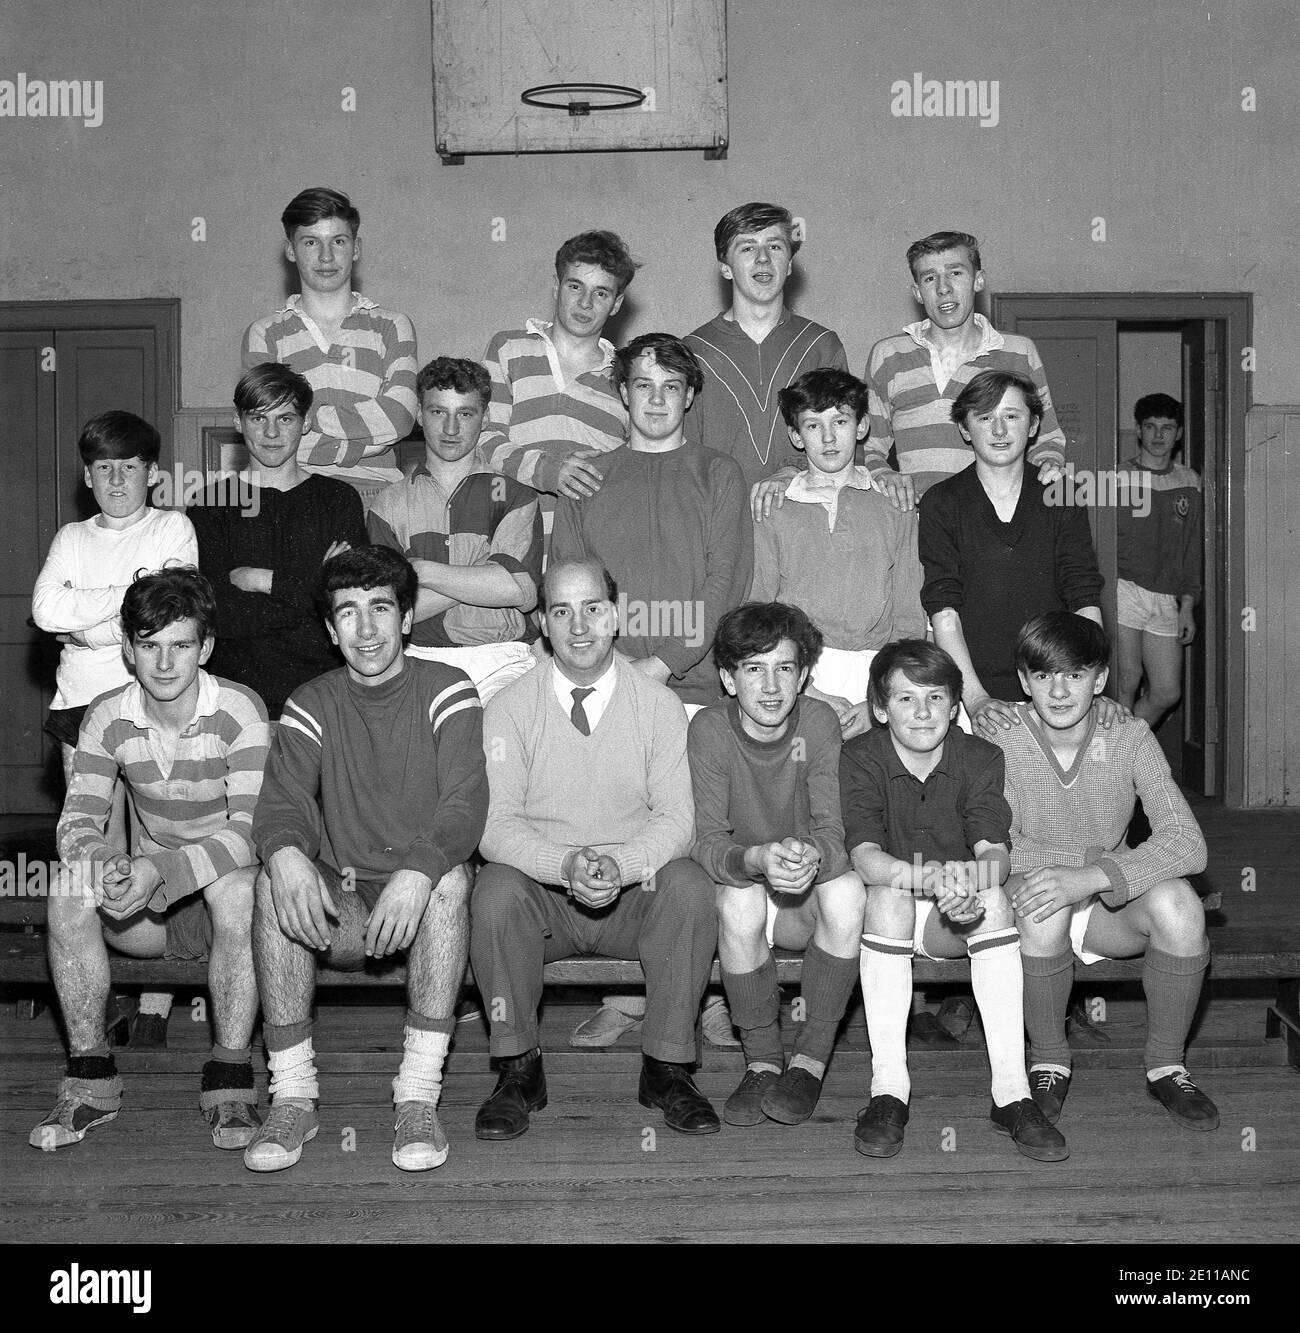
(285, 1036)
(92, 1066)
(828, 983)
(1048, 982)
(220, 1074)
(755, 1000)
(1173, 987)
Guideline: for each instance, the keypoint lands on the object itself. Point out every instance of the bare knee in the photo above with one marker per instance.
(454, 888)
(889, 911)
(1175, 914)
(71, 917)
(231, 899)
(997, 910)
(742, 912)
(841, 904)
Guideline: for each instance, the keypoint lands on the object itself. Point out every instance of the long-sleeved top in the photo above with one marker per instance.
(749, 792)
(486, 519)
(363, 380)
(537, 419)
(1078, 817)
(80, 590)
(624, 790)
(194, 807)
(674, 530)
(998, 575)
(1160, 550)
(737, 412)
(911, 400)
(273, 642)
(847, 558)
(378, 778)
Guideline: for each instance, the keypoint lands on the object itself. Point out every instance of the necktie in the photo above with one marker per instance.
(578, 713)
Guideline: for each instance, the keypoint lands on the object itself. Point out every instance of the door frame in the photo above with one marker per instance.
(1236, 312)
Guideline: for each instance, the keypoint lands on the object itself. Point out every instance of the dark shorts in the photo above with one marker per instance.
(189, 929)
(64, 724)
(367, 889)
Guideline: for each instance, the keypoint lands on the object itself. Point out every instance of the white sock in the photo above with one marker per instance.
(419, 1079)
(817, 1068)
(886, 967)
(1153, 1074)
(998, 981)
(156, 1002)
(293, 1073)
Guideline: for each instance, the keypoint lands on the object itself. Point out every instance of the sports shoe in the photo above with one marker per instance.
(1029, 1130)
(278, 1143)
(418, 1141)
(1049, 1087)
(233, 1123)
(603, 1028)
(82, 1105)
(956, 1014)
(148, 1032)
(924, 1030)
(793, 1097)
(715, 1021)
(744, 1107)
(1188, 1105)
(880, 1127)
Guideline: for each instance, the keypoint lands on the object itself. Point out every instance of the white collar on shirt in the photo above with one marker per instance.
(595, 703)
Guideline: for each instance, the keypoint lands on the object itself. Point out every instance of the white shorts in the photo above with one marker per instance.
(1080, 915)
(491, 666)
(1151, 612)
(843, 673)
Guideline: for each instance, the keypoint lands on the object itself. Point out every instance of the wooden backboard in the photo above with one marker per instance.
(487, 52)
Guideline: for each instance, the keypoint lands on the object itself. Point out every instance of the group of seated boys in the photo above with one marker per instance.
(604, 674)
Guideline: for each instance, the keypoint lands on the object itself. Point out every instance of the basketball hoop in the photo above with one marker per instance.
(624, 98)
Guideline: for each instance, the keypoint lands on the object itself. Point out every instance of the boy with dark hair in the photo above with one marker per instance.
(927, 828)
(1159, 557)
(358, 358)
(996, 551)
(914, 376)
(1077, 887)
(190, 748)
(765, 769)
(374, 802)
(755, 347)
(263, 558)
(838, 549)
(78, 595)
(554, 408)
(473, 536)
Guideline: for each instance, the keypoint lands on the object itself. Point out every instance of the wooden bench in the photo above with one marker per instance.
(1238, 953)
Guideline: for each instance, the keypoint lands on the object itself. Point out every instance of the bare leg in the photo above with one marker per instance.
(232, 982)
(436, 960)
(1162, 656)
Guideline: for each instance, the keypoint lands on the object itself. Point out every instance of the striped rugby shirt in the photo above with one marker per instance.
(364, 382)
(488, 518)
(912, 413)
(535, 420)
(737, 412)
(195, 810)
(378, 778)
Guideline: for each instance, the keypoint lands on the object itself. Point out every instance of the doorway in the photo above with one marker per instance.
(60, 363)
(1090, 344)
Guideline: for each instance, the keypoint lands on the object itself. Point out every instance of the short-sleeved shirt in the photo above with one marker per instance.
(487, 519)
(960, 803)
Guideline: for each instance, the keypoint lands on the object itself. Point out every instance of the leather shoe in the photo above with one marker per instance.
(880, 1127)
(1030, 1130)
(1188, 1105)
(671, 1089)
(793, 1097)
(521, 1088)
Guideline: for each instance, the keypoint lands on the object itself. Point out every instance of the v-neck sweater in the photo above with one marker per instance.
(998, 575)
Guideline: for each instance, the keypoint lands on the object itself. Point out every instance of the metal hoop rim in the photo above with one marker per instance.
(632, 96)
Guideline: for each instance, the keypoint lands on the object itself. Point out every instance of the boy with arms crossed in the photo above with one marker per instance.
(926, 819)
(375, 800)
(358, 358)
(472, 535)
(1077, 887)
(767, 820)
(191, 749)
(837, 549)
(1159, 566)
(263, 560)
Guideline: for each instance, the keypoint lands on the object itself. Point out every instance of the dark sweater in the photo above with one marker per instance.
(273, 642)
(998, 575)
(674, 531)
(378, 778)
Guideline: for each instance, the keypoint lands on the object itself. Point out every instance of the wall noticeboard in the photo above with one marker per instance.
(487, 53)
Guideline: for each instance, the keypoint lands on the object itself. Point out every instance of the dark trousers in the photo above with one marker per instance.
(517, 925)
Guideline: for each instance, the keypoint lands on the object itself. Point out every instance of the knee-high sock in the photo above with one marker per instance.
(1173, 987)
(828, 983)
(755, 1000)
(1047, 999)
(998, 981)
(424, 1049)
(292, 1061)
(887, 994)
